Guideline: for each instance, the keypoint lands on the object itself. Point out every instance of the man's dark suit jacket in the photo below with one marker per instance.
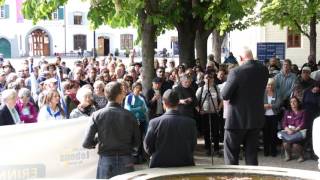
(5, 116)
(245, 89)
(170, 140)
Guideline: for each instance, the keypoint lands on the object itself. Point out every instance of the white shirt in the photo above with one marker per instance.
(46, 114)
(269, 112)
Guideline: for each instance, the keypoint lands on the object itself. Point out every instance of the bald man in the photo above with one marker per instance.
(244, 89)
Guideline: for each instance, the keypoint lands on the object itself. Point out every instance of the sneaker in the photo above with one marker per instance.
(301, 159)
(287, 158)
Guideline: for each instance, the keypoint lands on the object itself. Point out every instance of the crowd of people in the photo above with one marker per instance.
(34, 93)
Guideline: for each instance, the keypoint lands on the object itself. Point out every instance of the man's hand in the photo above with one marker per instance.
(315, 90)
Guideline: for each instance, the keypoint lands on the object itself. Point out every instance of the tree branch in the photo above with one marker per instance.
(300, 29)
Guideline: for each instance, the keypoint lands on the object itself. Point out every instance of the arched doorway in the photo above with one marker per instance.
(103, 46)
(39, 43)
(5, 48)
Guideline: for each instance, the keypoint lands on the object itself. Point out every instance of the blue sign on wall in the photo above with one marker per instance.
(268, 50)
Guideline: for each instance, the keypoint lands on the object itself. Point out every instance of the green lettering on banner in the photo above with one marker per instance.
(21, 172)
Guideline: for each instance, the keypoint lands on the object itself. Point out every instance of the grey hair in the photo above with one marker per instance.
(113, 90)
(24, 92)
(8, 94)
(82, 93)
(99, 83)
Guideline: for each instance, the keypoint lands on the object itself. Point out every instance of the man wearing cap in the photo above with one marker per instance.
(303, 82)
(166, 84)
(7, 67)
(154, 99)
(172, 137)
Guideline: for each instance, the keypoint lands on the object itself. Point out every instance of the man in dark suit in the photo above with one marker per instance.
(171, 138)
(244, 89)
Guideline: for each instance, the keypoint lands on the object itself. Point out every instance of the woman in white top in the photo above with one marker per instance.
(209, 104)
(51, 109)
(271, 106)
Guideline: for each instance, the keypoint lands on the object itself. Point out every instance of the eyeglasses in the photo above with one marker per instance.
(160, 71)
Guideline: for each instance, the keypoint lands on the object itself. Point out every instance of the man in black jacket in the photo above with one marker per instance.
(118, 134)
(154, 99)
(244, 89)
(171, 138)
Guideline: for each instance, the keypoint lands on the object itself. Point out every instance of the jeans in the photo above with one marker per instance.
(109, 166)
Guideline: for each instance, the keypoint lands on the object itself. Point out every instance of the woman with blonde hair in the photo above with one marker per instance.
(51, 109)
(272, 116)
(100, 100)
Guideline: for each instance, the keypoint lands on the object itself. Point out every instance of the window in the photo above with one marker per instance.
(77, 19)
(58, 14)
(293, 39)
(126, 41)
(4, 12)
(80, 41)
(55, 15)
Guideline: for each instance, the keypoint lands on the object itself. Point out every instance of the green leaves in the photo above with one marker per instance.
(40, 9)
(232, 14)
(295, 14)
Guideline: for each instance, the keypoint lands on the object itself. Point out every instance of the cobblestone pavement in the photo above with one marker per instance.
(202, 159)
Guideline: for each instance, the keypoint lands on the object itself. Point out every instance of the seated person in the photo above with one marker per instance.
(293, 121)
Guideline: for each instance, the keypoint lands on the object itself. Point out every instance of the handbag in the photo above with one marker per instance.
(291, 138)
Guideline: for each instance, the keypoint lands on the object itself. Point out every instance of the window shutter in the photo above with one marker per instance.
(60, 13)
(6, 11)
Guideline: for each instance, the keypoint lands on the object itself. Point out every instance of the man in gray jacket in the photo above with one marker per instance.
(172, 137)
(244, 89)
(117, 134)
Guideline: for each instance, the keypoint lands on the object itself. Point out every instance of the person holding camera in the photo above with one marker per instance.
(209, 104)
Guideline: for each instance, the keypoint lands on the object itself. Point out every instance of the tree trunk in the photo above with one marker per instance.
(313, 38)
(216, 44)
(202, 45)
(148, 36)
(186, 36)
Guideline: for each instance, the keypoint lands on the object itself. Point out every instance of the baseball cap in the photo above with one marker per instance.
(306, 68)
(157, 80)
(51, 80)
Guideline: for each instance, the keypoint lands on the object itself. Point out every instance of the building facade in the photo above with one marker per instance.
(67, 33)
(296, 46)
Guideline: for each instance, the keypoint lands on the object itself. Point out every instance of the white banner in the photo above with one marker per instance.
(46, 150)
(316, 138)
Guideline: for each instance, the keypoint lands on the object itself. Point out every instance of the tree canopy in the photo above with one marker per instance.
(295, 14)
(301, 16)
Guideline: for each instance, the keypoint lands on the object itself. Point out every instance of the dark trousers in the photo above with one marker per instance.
(109, 166)
(233, 138)
(140, 154)
(205, 118)
(270, 135)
